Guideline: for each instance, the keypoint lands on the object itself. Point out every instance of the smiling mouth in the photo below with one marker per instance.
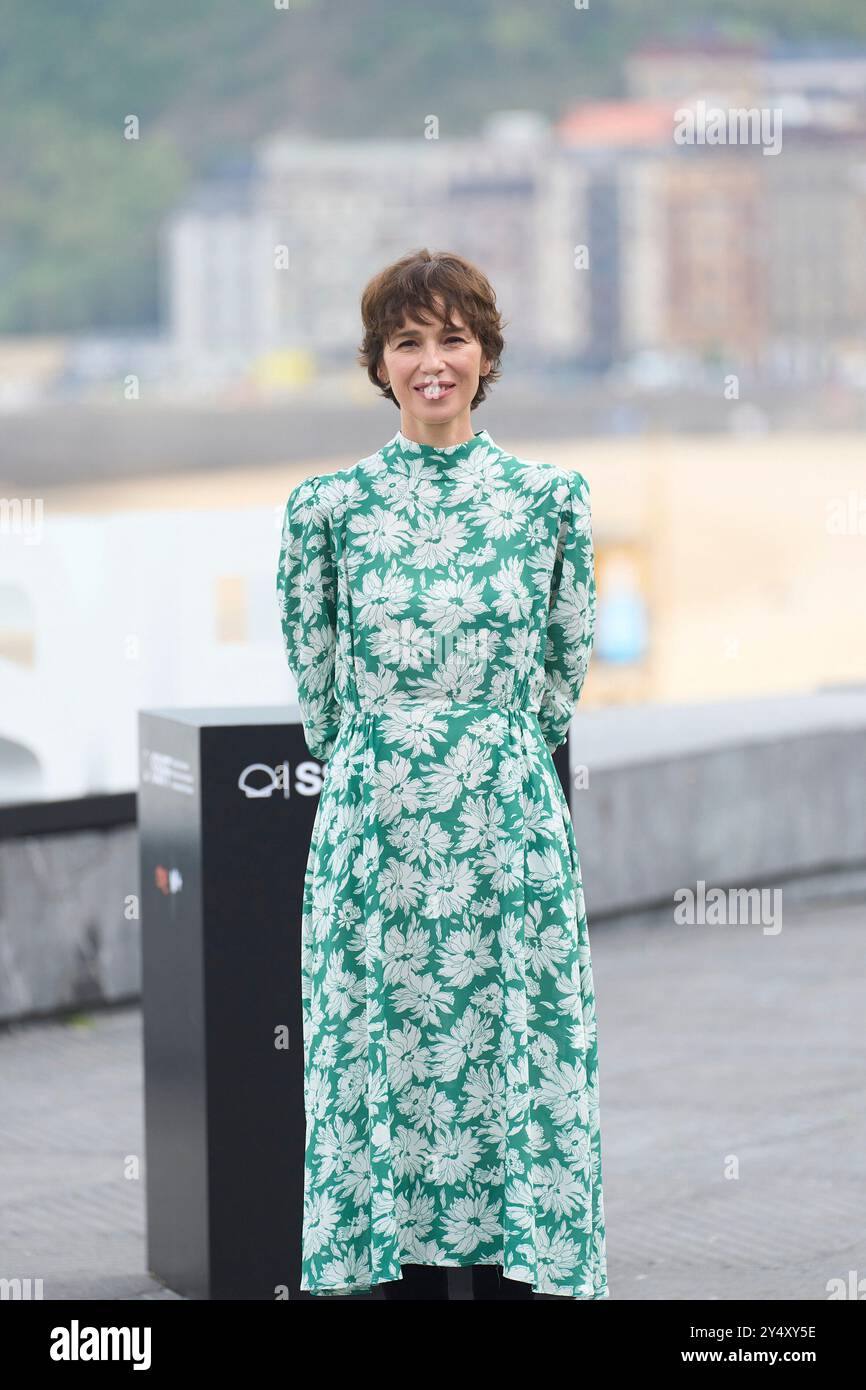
(435, 391)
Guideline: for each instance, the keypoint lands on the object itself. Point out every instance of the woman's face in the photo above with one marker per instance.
(433, 368)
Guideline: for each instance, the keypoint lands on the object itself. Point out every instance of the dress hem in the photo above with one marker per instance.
(537, 1287)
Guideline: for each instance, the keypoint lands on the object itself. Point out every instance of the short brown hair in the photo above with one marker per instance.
(409, 286)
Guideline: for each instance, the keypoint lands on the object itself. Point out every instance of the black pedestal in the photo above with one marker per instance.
(226, 804)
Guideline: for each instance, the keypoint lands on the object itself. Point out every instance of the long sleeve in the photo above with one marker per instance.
(307, 601)
(571, 615)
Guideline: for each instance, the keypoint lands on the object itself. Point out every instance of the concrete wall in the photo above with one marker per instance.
(740, 793)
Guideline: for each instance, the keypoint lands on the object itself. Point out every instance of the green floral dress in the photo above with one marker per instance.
(438, 611)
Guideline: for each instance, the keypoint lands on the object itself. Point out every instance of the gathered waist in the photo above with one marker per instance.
(409, 705)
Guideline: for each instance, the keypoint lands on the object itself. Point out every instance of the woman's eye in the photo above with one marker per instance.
(452, 338)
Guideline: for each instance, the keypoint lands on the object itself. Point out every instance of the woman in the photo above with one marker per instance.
(437, 601)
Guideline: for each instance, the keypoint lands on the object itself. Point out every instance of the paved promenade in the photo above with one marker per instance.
(720, 1048)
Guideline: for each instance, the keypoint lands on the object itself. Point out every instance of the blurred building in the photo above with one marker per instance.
(604, 235)
(676, 72)
(815, 234)
(218, 258)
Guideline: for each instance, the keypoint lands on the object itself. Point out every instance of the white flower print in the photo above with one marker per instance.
(513, 600)
(504, 863)
(414, 730)
(504, 513)
(401, 644)
(342, 987)
(380, 532)
(438, 539)
(563, 1090)
(453, 1157)
(320, 1219)
(484, 1092)
(545, 871)
(469, 1037)
(423, 998)
(484, 821)
(407, 490)
(407, 1055)
(449, 886)
(400, 886)
(383, 596)
(419, 839)
(459, 677)
(404, 952)
(464, 769)
(394, 790)
(465, 954)
(449, 603)
(561, 1191)
(428, 1108)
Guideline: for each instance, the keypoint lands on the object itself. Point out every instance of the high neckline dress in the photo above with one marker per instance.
(438, 609)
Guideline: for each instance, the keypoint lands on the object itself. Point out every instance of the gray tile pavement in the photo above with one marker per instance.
(722, 1050)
